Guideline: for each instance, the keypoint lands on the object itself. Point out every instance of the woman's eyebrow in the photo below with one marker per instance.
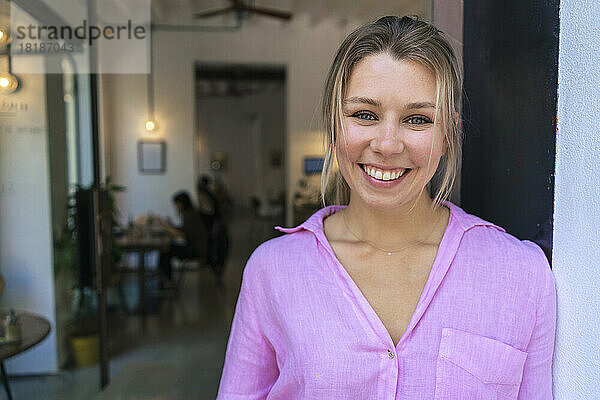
(377, 103)
(362, 100)
(420, 104)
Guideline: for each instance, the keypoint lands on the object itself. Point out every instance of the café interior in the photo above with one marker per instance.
(220, 106)
(145, 156)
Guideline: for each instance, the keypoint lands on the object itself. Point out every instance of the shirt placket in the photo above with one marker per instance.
(390, 353)
(372, 325)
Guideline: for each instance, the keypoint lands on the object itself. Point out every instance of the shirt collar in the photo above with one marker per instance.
(467, 221)
(314, 223)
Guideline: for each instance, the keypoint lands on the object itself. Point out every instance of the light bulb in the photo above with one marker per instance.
(150, 125)
(5, 38)
(8, 82)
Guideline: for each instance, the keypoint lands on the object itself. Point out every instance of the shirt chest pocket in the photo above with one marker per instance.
(471, 366)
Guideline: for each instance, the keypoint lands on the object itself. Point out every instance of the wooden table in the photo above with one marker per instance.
(143, 245)
(33, 330)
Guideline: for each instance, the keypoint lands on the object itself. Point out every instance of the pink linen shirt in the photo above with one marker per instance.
(483, 328)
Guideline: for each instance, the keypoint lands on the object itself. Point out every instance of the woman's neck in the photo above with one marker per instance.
(397, 227)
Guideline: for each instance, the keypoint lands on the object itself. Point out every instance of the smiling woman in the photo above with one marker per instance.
(394, 292)
(389, 150)
(425, 49)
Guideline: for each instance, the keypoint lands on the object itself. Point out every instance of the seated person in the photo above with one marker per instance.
(223, 200)
(207, 204)
(192, 230)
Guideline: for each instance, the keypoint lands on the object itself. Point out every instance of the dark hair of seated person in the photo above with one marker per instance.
(194, 231)
(184, 199)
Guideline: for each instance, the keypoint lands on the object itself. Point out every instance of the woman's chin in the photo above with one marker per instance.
(385, 203)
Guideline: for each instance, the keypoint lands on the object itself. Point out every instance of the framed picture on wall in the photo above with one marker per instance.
(152, 157)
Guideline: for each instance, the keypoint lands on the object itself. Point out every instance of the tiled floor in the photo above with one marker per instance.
(174, 354)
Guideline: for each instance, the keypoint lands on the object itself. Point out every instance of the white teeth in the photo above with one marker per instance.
(381, 175)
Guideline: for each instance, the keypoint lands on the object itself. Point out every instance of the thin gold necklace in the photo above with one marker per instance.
(389, 252)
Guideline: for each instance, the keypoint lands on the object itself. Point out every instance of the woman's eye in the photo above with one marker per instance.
(364, 116)
(418, 120)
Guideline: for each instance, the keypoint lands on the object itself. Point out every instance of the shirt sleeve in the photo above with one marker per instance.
(537, 373)
(250, 368)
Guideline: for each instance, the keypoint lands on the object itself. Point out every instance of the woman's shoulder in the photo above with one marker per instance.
(494, 240)
(489, 235)
(297, 246)
(489, 244)
(283, 246)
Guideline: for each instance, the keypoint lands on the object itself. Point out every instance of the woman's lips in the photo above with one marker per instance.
(383, 178)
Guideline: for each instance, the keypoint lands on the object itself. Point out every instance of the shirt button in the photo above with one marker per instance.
(390, 354)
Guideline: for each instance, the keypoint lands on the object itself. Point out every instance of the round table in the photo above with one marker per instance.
(33, 330)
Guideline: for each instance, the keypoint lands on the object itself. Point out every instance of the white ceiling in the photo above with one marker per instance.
(342, 11)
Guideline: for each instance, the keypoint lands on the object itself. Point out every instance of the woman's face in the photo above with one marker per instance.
(388, 113)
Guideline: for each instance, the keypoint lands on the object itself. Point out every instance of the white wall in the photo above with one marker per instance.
(26, 238)
(25, 218)
(247, 128)
(26, 254)
(576, 256)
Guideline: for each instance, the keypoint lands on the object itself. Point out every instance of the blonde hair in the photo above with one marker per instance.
(403, 38)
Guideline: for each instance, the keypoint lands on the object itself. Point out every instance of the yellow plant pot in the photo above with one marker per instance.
(85, 350)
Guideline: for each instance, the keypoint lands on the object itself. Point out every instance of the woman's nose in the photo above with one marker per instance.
(387, 139)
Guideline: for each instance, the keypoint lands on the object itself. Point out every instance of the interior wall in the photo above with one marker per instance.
(247, 129)
(25, 217)
(577, 204)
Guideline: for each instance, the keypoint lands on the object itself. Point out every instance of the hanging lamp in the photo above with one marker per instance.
(9, 83)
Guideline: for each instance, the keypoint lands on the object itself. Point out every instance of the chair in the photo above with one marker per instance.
(218, 249)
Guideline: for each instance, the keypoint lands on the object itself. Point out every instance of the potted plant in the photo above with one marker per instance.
(75, 251)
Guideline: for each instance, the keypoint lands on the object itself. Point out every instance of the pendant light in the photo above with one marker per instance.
(9, 83)
(151, 125)
(5, 38)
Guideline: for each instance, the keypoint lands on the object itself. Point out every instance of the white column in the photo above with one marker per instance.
(576, 255)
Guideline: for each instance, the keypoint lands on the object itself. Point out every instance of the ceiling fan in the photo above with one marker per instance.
(240, 7)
